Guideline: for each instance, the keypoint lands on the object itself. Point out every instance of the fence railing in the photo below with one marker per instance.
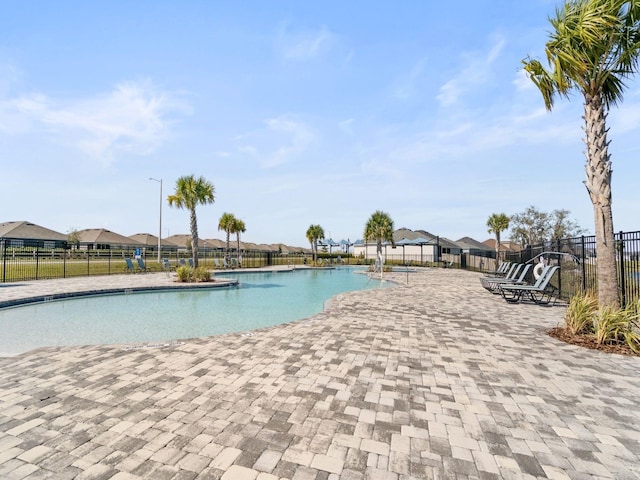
(22, 260)
(577, 259)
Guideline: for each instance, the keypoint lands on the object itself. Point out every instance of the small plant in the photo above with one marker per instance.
(608, 324)
(201, 274)
(579, 315)
(184, 273)
(632, 333)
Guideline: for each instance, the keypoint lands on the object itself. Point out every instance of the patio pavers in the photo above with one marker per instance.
(431, 379)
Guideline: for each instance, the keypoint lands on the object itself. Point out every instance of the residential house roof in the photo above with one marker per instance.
(105, 237)
(28, 230)
(147, 239)
(468, 243)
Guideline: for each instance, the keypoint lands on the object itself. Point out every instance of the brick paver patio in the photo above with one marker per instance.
(436, 378)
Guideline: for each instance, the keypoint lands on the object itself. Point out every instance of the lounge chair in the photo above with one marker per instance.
(514, 269)
(217, 263)
(190, 260)
(511, 274)
(166, 265)
(493, 284)
(234, 263)
(129, 266)
(500, 271)
(141, 264)
(225, 263)
(541, 292)
(182, 262)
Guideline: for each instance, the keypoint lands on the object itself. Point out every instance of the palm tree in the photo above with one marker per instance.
(227, 222)
(498, 223)
(238, 228)
(314, 233)
(379, 227)
(593, 48)
(190, 192)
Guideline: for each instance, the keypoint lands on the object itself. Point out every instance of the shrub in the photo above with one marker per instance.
(608, 324)
(184, 273)
(618, 326)
(580, 312)
(202, 274)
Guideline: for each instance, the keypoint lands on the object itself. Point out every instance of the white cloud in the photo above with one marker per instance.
(282, 141)
(134, 118)
(477, 66)
(347, 126)
(304, 46)
(406, 86)
(299, 137)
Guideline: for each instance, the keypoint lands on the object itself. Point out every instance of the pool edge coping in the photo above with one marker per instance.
(113, 291)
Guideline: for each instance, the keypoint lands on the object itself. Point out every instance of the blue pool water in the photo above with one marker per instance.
(260, 300)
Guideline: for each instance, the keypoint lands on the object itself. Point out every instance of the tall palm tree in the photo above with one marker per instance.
(238, 228)
(593, 48)
(498, 223)
(379, 227)
(314, 233)
(227, 222)
(191, 191)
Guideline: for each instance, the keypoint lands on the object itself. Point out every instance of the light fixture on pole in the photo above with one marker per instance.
(160, 222)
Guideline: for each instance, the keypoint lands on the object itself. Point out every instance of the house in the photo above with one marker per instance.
(505, 246)
(24, 233)
(417, 246)
(103, 239)
(471, 246)
(148, 240)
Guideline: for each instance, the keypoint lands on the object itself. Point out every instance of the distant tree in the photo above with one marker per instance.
(498, 223)
(379, 227)
(533, 227)
(73, 238)
(593, 48)
(563, 227)
(314, 233)
(227, 223)
(529, 227)
(190, 192)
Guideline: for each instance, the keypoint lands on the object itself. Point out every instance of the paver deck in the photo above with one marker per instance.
(432, 379)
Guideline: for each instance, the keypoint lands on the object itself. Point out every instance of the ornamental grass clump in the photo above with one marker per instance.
(618, 326)
(184, 273)
(201, 274)
(603, 325)
(609, 324)
(580, 312)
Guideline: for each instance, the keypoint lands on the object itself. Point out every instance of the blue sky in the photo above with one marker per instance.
(297, 112)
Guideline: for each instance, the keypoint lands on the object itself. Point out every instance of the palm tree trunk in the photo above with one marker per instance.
(194, 236)
(598, 183)
(227, 254)
(497, 248)
(238, 249)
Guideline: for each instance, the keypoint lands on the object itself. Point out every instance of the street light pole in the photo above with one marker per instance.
(160, 222)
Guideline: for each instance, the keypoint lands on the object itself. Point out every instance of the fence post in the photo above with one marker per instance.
(4, 260)
(623, 283)
(37, 260)
(584, 267)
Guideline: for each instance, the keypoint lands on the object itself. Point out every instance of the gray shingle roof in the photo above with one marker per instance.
(28, 230)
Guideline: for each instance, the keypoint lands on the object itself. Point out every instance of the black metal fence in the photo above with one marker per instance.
(577, 260)
(22, 260)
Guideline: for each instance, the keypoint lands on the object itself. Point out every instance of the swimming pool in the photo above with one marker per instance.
(260, 300)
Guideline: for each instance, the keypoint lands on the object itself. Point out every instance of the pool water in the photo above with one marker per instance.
(260, 300)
